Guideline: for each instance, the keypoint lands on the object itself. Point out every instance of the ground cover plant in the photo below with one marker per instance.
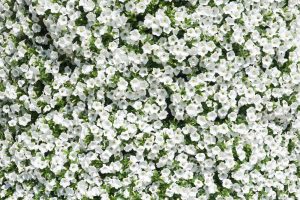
(149, 99)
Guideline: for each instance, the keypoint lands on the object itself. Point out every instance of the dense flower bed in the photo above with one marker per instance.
(149, 99)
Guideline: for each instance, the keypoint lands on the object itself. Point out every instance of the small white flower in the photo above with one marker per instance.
(24, 120)
(88, 5)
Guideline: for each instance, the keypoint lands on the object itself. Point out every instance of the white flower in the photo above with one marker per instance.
(138, 85)
(88, 5)
(82, 187)
(192, 110)
(135, 35)
(11, 92)
(86, 69)
(24, 120)
(141, 7)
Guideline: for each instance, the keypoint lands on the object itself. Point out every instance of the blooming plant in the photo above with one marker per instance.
(149, 99)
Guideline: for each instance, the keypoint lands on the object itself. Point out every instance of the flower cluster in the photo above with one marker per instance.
(150, 99)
